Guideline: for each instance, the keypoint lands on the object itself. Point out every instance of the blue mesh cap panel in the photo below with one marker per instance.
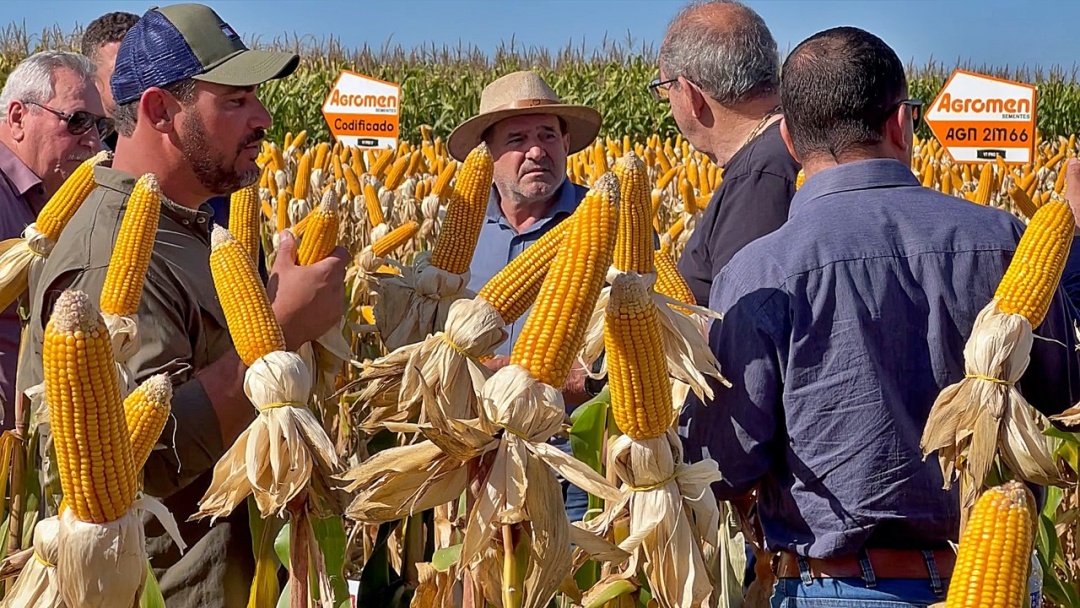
(153, 54)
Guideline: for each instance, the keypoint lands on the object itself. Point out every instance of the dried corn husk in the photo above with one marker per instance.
(674, 519)
(415, 303)
(282, 452)
(36, 585)
(686, 338)
(448, 361)
(104, 565)
(517, 417)
(985, 415)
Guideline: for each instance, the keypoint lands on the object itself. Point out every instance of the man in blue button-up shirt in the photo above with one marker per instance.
(840, 330)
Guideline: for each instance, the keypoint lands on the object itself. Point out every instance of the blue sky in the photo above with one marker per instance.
(997, 32)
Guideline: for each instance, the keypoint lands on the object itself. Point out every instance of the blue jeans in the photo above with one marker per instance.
(853, 593)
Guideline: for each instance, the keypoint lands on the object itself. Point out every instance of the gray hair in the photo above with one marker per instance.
(32, 80)
(732, 61)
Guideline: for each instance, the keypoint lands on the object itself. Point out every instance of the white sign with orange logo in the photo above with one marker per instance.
(363, 111)
(978, 118)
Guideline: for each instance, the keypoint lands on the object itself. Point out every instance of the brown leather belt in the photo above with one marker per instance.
(886, 563)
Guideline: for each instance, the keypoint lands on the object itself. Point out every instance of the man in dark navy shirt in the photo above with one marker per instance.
(720, 71)
(842, 327)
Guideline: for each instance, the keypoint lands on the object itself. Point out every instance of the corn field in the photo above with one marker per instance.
(389, 209)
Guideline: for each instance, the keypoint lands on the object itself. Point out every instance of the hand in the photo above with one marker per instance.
(307, 300)
(1072, 189)
(573, 390)
(497, 362)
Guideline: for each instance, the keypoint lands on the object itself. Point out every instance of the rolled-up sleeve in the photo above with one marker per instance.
(191, 442)
(737, 427)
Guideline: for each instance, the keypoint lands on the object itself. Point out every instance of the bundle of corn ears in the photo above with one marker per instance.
(985, 415)
(673, 518)
(685, 333)
(414, 303)
(284, 450)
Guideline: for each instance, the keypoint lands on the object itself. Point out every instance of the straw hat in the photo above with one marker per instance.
(523, 93)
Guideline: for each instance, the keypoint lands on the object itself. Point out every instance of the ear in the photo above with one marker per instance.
(786, 136)
(896, 129)
(697, 98)
(16, 119)
(566, 143)
(158, 109)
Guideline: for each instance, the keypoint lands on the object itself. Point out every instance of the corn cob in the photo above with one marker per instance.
(669, 281)
(993, 560)
(93, 451)
(382, 163)
(442, 184)
(555, 329)
(637, 369)
(513, 289)
(396, 175)
(1035, 270)
(244, 220)
(395, 238)
(374, 208)
(134, 246)
(1022, 202)
(321, 234)
(146, 410)
(254, 329)
(62, 206)
(633, 242)
(465, 213)
(302, 179)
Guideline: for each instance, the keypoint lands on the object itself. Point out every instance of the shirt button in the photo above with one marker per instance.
(202, 220)
(187, 222)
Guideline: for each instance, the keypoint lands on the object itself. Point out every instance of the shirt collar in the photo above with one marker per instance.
(22, 178)
(566, 202)
(199, 219)
(859, 175)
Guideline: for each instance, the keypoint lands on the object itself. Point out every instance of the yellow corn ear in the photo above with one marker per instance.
(146, 410)
(1022, 203)
(395, 238)
(442, 184)
(351, 181)
(599, 160)
(321, 233)
(250, 319)
(994, 556)
(555, 329)
(666, 178)
(669, 281)
(513, 289)
(281, 222)
(800, 179)
(634, 242)
(62, 206)
(302, 179)
(465, 213)
(339, 169)
(374, 207)
(296, 143)
(396, 175)
(688, 197)
(1035, 270)
(134, 246)
(93, 451)
(321, 152)
(244, 221)
(637, 368)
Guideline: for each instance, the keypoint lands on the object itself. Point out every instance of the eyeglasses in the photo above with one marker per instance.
(916, 110)
(80, 121)
(659, 88)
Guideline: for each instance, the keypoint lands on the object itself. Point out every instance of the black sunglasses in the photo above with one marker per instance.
(916, 110)
(659, 88)
(80, 121)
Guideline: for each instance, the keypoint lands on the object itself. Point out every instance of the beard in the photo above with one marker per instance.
(214, 171)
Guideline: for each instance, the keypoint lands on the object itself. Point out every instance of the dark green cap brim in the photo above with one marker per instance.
(250, 68)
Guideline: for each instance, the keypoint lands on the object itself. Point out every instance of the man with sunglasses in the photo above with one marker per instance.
(50, 121)
(188, 111)
(840, 330)
(720, 73)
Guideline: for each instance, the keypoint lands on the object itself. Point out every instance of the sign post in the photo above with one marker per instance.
(978, 118)
(363, 112)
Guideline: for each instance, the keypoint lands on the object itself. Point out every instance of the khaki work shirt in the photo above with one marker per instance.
(182, 330)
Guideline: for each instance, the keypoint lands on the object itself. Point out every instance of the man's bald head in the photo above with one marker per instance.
(723, 47)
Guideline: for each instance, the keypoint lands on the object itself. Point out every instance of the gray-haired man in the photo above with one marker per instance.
(51, 118)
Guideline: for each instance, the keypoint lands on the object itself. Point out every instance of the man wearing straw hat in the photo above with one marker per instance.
(530, 132)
